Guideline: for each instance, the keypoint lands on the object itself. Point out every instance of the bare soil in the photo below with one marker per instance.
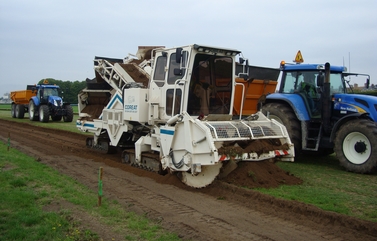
(225, 210)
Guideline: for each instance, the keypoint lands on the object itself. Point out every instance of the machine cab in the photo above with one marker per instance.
(195, 79)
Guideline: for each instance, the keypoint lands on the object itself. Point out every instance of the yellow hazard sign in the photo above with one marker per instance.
(299, 58)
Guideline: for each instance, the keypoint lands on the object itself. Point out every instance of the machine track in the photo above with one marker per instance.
(149, 161)
(217, 212)
(103, 146)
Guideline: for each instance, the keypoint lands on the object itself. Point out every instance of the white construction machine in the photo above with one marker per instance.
(186, 110)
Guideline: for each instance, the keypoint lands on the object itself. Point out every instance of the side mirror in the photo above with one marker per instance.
(245, 68)
(178, 55)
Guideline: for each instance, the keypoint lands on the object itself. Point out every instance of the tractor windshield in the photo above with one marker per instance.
(50, 92)
(337, 83)
(294, 80)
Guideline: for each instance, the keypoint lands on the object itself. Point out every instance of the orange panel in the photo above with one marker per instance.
(253, 91)
(22, 97)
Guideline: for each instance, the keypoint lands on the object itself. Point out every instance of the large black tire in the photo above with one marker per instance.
(20, 111)
(69, 111)
(32, 111)
(13, 110)
(356, 146)
(44, 113)
(285, 115)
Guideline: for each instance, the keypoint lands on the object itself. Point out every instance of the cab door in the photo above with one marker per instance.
(167, 86)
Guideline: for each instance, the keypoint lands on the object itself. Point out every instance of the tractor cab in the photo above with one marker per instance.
(306, 82)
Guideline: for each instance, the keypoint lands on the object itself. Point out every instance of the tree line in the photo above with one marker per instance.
(69, 89)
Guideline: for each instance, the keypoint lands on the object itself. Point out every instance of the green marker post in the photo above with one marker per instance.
(100, 185)
(8, 141)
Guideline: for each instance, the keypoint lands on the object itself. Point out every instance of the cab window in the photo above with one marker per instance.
(174, 65)
(159, 73)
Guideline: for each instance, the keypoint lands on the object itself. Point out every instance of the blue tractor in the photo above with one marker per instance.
(47, 103)
(323, 115)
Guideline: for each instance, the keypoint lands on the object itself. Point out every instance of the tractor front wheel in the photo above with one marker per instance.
(356, 146)
(44, 113)
(69, 113)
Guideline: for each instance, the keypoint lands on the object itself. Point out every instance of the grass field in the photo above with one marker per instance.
(325, 184)
(27, 187)
(329, 187)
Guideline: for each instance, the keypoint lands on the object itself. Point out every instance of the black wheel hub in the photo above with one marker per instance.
(360, 147)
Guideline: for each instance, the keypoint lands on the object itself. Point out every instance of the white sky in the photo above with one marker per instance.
(59, 39)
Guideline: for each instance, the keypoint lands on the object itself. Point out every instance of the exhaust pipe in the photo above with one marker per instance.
(326, 108)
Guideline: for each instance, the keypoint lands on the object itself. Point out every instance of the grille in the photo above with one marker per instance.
(240, 130)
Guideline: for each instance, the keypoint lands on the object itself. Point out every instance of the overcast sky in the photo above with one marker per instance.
(59, 39)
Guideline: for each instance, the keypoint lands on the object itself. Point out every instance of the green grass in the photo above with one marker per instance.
(67, 126)
(26, 186)
(327, 186)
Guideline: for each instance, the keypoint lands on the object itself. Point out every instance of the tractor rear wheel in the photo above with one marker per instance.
(32, 111)
(285, 115)
(69, 111)
(356, 146)
(44, 113)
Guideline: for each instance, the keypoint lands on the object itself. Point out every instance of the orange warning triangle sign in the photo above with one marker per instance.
(299, 58)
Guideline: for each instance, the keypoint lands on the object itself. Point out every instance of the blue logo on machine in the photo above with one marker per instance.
(130, 108)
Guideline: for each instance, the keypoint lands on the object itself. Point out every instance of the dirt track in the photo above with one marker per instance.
(221, 211)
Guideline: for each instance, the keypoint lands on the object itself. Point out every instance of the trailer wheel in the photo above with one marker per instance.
(13, 110)
(20, 111)
(32, 111)
(356, 146)
(287, 117)
(69, 116)
(44, 113)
